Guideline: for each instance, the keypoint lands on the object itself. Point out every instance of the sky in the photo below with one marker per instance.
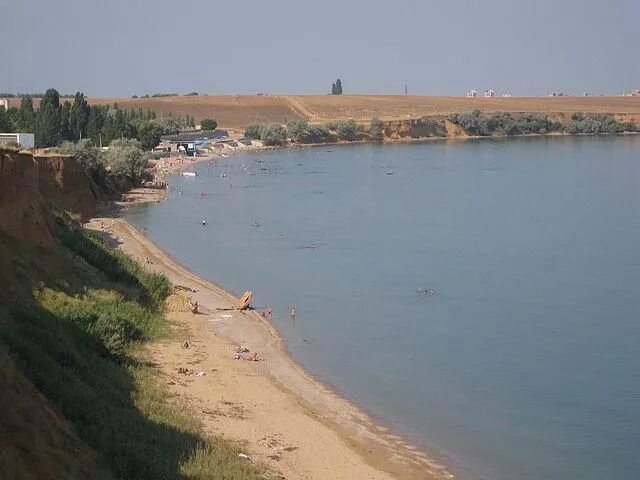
(435, 47)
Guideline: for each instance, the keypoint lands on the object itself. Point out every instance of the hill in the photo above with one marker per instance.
(239, 110)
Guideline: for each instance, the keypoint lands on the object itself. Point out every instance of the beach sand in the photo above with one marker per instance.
(280, 414)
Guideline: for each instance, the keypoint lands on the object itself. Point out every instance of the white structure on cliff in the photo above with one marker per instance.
(472, 94)
(489, 93)
(25, 140)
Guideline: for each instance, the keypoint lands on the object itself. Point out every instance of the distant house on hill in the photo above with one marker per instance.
(472, 94)
(635, 93)
(489, 93)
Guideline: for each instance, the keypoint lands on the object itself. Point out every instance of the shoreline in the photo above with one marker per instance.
(374, 443)
(360, 430)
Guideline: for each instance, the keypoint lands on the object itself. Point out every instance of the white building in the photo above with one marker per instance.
(489, 93)
(5, 103)
(25, 140)
(472, 94)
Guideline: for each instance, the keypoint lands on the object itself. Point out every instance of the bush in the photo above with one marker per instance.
(345, 129)
(502, 123)
(274, 135)
(127, 161)
(301, 132)
(376, 129)
(318, 134)
(208, 124)
(597, 124)
(92, 160)
(297, 130)
(254, 131)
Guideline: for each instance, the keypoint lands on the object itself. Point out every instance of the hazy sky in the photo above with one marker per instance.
(437, 47)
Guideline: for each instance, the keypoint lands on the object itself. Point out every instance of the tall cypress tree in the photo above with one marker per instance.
(26, 114)
(79, 116)
(65, 121)
(5, 122)
(338, 87)
(47, 131)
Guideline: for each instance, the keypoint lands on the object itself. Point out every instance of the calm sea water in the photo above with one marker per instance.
(525, 362)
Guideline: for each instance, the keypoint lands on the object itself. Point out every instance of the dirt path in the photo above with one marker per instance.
(285, 418)
(301, 109)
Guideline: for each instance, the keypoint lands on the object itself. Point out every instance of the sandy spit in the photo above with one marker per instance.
(281, 415)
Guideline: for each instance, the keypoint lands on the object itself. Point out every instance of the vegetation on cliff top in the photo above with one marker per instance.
(55, 122)
(482, 124)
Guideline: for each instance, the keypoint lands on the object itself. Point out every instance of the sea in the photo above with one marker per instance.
(481, 297)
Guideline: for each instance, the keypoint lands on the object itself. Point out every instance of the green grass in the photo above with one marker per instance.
(76, 339)
(149, 287)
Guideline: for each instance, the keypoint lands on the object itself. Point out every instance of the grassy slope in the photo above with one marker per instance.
(71, 321)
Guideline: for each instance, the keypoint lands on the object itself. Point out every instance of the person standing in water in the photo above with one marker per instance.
(293, 312)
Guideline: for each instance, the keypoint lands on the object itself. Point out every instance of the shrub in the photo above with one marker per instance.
(208, 124)
(345, 129)
(274, 135)
(127, 161)
(254, 130)
(297, 130)
(318, 134)
(376, 129)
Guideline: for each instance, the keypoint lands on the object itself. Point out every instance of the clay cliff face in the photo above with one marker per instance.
(414, 128)
(29, 183)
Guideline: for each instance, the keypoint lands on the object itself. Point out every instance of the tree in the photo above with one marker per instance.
(376, 129)
(47, 131)
(26, 116)
(65, 124)
(170, 126)
(333, 88)
(149, 133)
(208, 124)
(338, 87)
(5, 123)
(79, 116)
(97, 116)
(91, 159)
(127, 161)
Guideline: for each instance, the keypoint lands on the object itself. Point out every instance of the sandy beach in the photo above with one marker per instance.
(281, 415)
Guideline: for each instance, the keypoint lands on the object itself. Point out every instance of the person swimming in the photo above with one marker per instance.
(204, 222)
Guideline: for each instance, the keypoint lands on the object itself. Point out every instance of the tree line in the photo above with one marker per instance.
(56, 121)
(301, 132)
(481, 124)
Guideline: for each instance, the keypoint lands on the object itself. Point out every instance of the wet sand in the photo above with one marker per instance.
(283, 416)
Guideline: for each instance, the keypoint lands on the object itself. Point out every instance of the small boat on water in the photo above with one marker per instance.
(189, 174)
